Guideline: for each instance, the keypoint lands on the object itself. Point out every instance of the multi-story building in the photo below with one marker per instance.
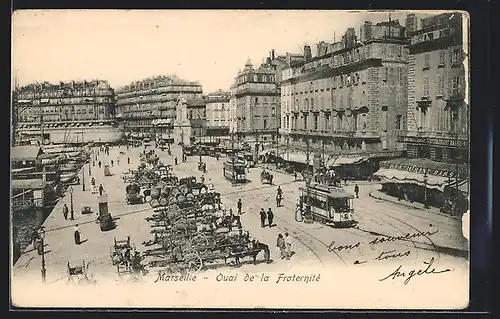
(149, 105)
(190, 121)
(435, 172)
(75, 112)
(254, 104)
(437, 114)
(351, 97)
(217, 105)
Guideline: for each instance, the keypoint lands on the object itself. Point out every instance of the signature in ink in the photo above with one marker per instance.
(429, 270)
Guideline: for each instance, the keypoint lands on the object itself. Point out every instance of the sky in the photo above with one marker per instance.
(206, 46)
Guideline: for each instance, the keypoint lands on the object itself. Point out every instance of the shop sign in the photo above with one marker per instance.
(418, 170)
(433, 141)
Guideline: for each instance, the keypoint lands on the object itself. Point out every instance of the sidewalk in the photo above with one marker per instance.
(60, 247)
(416, 205)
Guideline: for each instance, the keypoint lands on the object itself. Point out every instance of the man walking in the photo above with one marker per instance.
(356, 190)
(65, 211)
(279, 196)
(101, 189)
(270, 217)
(262, 218)
(240, 205)
(128, 160)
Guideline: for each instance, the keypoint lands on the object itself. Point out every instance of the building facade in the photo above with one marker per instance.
(190, 121)
(435, 172)
(149, 105)
(352, 96)
(218, 114)
(217, 105)
(254, 102)
(437, 114)
(75, 112)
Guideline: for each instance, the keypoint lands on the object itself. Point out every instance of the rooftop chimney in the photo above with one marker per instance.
(272, 54)
(307, 53)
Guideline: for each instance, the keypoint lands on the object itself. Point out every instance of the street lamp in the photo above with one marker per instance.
(83, 178)
(426, 204)
(41, 234)
(90, 168)
(72, 216)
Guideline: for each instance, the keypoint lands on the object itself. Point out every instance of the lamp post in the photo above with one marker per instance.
(83, 178)
(72, 213)
(41, 234)
(426, 204)
(90, 168)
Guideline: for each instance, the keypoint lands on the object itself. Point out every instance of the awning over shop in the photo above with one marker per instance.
(398, 176)
(298, 158)
(27, 184)
(342, 160)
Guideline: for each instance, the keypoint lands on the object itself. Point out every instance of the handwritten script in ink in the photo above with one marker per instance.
(429, 270)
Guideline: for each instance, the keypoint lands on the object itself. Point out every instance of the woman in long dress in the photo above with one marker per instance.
(76, 234)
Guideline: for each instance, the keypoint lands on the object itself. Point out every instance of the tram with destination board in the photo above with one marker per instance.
(234, 172)
(246, 158)
(329, 204)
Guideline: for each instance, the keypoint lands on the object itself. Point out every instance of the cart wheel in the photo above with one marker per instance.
(194, 262)
(200, 240)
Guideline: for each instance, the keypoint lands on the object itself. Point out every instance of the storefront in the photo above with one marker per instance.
(425, 181)
(359, 166)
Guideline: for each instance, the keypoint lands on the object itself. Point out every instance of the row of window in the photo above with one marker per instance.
(388, 74)
(353, 121)
(454, 87)
(345, 58)
(441, 120)
(255, 78)
(197, 114)
(135, 91)
(429, 36)
(455, 58)
(65, 93)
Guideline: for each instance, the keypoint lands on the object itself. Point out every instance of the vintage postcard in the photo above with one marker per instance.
(240, 159)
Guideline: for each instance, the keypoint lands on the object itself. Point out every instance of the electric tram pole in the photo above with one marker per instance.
(233, 177)
(308, 218)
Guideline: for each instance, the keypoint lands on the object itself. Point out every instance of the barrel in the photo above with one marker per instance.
(163, 201)
(155, 192)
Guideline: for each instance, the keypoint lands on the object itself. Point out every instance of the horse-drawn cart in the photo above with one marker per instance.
(78, 274)
(120, 251)
(266, 178)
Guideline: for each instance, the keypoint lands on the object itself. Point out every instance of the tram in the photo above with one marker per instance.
(329, 204)
(246, 158)
(234, 172)
(188, 150)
